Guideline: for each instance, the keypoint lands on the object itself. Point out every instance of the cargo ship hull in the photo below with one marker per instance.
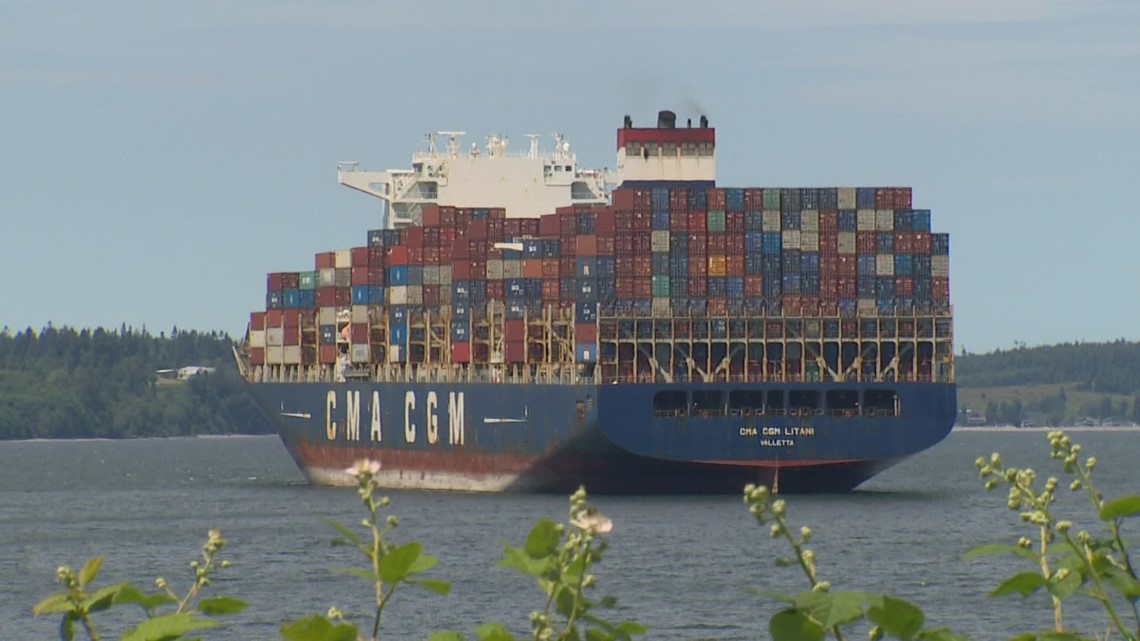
(613, 439)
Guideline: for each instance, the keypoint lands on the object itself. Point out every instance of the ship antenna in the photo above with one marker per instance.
(533, 153)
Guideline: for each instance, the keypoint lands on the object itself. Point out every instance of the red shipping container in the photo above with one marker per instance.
(462, 217)
(567, 267)
(587, 246)
(642, 221)
(376, 257)
(940, 289)
(532, 268)
(514, 329)
(257, 355)
(461, 270)
(326, 260)
(497, 213)
(291, 336)
(642, 287)
(396, 255)
(343, 296)
(678, 198)
(734, 224)
(291, 317)
(446, 216)
(623, 221)
(550, 268)
(585, 333)
(904, 242)
(256, 321)
(754, 199)
(623, 266)
(921, 243)
(753, 285)
(461, 352)
(698, 286)
(716, 198)
(496, 229)
(326, 354)
(604, 221)
(623, 287)
(828, 243)
(718, 243)
(432, 215)
(274, 283)
(866, 242)
(496, 290)
(431, 294)
(550, 290)
(643, 265)
(529, 226)
(413, 236)
(513, 227)
(273, 317)
(605, 245)
(477, 230)
(515, 352)
(698, 268)
(679, 220)
(848, 266)
(359, 276)
(359, 333)
(567, 221)
(698, 244)
(632, 199)
(904, 286)
(698, 221)
(548, 225)
(460, 250)
(642, 242)
(793, 303)
(478, 269)
(432, 255)
(326, 297)
(847, 287)
(718, 306)
(828, 221)
(734, 265)
(415, 255)
(360, 257)
(290, 280)
(828, 289)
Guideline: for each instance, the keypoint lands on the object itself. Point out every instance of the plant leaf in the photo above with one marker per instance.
(167, 626)
(67, 628)
(318, 628)
(793, 625)
(222, 605)
(493, 632)
(129, 594)
(518, 559)
(1066, 586)
(344, 531)
(364, 574)
(897, 618)
(997, 548)
(1120, 508)
(768, 594)
(423, 564)
(90, 570)
(395, 565)
(1058, 636)
(835, 608)
(103, 598)
(448, 635)
(1120, 580)
(1025, 583)
(542, 540)
(54, 604)
(439, 587)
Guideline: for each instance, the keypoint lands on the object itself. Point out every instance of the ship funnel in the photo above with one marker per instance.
(704, 122)
(628, 122)
(666, 120)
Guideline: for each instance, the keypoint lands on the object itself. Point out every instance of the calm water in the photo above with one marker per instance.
(679, 565)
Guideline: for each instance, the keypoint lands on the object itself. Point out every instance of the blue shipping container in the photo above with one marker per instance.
(660, 264)
(660, 220)
(398, 335)
(848, 220)
(360, 295)
(790, 220)
(865, 264)
(734, 198)
(940, 244)
(291, 299)
(397, 276)
(865, 197)
(904, 265)
(921, 220)
(587, 267)
(772, 242)
(309, 299)
(274, 300)
(585, 352)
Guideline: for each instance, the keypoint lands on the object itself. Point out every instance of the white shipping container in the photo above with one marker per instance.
(292, 355)
(398, 295)
(885, 265)
(327, 277)
(866, 305)
(257, 338)
(394, 353)
(659, 241)
(770, 220)
(275, 336)
(791, 239)
(495, 269)
(809, 220)
(865, 220)
(884, 220)
(415, 295)
(809, 241)
(662, 307)
(847, 198)
(274, 355)
(359, 353)
(431, 274)
(445, 274)
(360, 313)
(511, 269)
(940, 266)
(343, 259)
(326, 316)
(847, 242)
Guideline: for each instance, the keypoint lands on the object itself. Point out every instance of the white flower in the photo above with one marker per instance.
(364, 466)
(591, 519)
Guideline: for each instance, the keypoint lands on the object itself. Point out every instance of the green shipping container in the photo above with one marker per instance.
(308, 280)
(771, 198)
(716, 220)
(660, 286)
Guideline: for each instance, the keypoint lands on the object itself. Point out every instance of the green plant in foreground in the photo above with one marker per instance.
(389, 565)
(810, 615)
(1067, 564)
(560, 559)
(77, 604)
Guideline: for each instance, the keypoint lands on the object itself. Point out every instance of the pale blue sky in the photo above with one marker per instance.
(157, 158)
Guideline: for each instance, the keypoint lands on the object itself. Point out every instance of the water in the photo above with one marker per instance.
(680, 565)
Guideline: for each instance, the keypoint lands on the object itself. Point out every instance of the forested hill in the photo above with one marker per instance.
(68, 383)
(1109, 368)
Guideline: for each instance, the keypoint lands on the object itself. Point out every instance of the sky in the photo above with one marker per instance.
(158, 159)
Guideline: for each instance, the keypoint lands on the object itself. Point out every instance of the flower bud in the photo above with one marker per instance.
(995, 459)
(393, 521)
(979, 462)
(1091, 463)
(1063, 526)
(805, 533)
(822, 586)
(1076, 449)
(776, 530)
(779, 507)
(1024, 542)
(876, 633)
(1076, 485)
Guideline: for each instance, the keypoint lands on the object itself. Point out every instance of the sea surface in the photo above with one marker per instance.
(680, 565)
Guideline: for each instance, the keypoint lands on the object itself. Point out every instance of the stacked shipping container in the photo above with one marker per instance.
(654, 253)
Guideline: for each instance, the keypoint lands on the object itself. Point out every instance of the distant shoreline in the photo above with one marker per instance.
(1010, 428)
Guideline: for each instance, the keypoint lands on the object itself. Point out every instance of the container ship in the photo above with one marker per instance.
(519, 323)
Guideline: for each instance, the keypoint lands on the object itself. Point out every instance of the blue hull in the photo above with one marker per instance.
(553, 438)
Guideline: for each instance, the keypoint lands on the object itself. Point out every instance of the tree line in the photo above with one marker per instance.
(98, 383)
